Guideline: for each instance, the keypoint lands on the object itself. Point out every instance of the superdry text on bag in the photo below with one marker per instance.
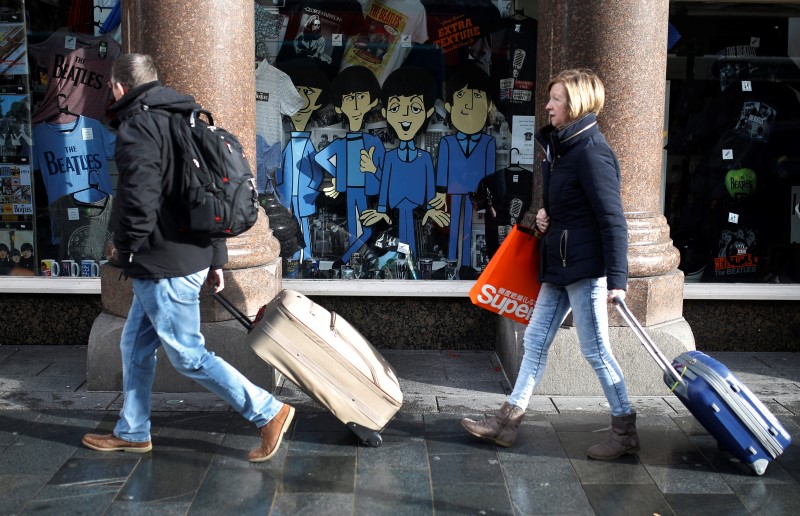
(217, 184)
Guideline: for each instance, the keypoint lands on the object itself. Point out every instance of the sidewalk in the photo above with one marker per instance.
(426, 465)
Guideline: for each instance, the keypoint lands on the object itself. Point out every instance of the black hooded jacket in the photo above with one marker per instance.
(148, 204)
(588, 234)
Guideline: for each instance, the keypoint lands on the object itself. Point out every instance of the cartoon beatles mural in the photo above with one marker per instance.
(464, 158)
(407, 178)
(353, 162)
(299, 178)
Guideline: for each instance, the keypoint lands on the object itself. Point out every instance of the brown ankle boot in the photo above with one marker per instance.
(621, 441)
(501, 428)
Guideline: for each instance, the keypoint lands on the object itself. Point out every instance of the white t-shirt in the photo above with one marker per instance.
(275, 95)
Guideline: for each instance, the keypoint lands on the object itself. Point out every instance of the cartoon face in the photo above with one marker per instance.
(310, 96)
(470, 110)
(406, 115)
(557, 107)
(355, 105)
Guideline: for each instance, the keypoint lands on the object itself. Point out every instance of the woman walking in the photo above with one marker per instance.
(584, 260)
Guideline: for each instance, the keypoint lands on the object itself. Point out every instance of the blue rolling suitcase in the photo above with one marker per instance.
(726, 408)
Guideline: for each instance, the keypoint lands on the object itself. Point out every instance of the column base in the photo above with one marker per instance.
(656, 301)
(569, 374)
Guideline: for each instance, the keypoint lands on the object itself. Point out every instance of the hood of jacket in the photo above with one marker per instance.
(153, 95)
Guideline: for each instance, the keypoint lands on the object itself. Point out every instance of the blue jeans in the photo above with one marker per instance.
(587, 299)
(167, 312)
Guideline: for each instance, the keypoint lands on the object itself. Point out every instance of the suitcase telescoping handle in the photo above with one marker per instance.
(646, 341)
(237, 314)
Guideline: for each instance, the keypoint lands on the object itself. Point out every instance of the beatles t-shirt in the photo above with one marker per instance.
(392, 26)
(73, 156)
(78, 68)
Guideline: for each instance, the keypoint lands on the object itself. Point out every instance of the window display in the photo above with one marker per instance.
(16, 188)
(399, 126)
(396, 133)
(57, 168)
(732, 153)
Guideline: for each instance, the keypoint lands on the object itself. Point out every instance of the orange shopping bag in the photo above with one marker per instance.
(509, 284)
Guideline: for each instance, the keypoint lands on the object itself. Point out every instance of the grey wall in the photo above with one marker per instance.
(420, 323)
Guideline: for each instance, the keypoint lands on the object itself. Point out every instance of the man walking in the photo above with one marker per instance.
(167, 268)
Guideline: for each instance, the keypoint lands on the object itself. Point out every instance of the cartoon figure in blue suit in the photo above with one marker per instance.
(299, 178)
(408, 178)
(353, 161)
(465, 157)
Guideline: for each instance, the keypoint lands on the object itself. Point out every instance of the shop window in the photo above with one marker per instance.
(733, 159)
(406, 148)
(56, 169)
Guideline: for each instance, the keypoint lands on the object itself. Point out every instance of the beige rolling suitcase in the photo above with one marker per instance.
(328, 359)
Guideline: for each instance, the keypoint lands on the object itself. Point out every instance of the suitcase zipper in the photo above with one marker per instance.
(754, 423)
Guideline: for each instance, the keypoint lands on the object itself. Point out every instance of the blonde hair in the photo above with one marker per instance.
(585, 91)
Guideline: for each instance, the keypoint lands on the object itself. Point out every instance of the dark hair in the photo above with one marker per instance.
(409, 81)
(26, 247)
(14, 252)
(305, 72)
(3, 247)
(471, 76)
(134, 70)
(351, 80)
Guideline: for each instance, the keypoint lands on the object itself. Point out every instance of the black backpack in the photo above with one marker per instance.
(217, 185)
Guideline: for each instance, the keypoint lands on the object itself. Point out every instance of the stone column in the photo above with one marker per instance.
(203, 48)
(625, 43)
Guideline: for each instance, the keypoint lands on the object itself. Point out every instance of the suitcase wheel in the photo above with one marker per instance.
(375, 440)
(366, 435)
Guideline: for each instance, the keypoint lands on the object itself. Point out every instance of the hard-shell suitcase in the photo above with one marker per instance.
(328, 359)
(726, 408)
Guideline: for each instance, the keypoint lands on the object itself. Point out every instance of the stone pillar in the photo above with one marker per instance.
(203, 48)
(624, 42)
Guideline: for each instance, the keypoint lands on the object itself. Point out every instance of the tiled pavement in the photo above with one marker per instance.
(426, 465)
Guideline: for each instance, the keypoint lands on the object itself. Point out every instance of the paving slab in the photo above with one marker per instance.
(427, 463)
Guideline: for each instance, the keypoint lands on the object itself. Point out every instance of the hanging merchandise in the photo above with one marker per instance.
(82, 227)
(74, 156)
(514, 65)
(392, 28)
(76, 69)
(461, 30)
(505, 196)
(320, 30)
(275, 96)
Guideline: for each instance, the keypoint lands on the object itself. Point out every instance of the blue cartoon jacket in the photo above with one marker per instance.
(588, 234)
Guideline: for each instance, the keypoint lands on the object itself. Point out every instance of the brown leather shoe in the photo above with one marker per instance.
(110, 442)
(272, 434)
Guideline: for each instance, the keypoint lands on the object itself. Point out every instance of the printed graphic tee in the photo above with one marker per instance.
(460, 28)
(514, 67)
(506, 196)
(392, 26)
(71, 156)
(320, 30)
(78, 67)
(270, 31)
(84, 228)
